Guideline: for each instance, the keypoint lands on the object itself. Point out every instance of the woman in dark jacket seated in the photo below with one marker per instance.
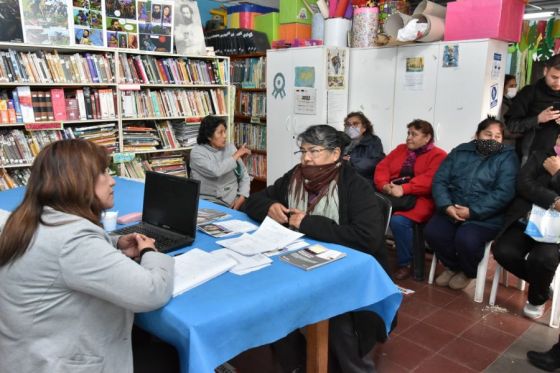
(535, 262)
(471, 189)
(328, 201)
(365, 151)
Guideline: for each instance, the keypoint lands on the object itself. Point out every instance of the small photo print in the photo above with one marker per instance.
(132, 41)
(95, 5)
(123, 39)
(121, 25)
(95, 19)
(81, 3)
(156, 12)
(81, 17)
(112, 39)
(145, 11)
(167, 14)
(451, 56)
(158, 29)
(415, 64)
(121, 8)
(145, 28)
(155, 43)
(88, 37)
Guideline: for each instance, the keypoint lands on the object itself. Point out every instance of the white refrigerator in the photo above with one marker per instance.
(305, 86)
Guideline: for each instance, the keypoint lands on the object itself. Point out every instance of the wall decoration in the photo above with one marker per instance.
(189, 35)
(45, 22)
(155, 25)
(10, 21)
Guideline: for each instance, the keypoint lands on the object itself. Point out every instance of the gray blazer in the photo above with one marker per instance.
(67, 305)
(216, 170)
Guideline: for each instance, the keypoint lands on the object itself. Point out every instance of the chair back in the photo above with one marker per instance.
(386, 209)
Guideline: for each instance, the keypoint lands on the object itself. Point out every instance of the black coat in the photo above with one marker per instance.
(521, 118)
(534, 185)
(366, 155)
(360, 227)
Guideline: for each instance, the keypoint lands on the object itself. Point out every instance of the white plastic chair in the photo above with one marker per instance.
(554, 312)
(480, 273)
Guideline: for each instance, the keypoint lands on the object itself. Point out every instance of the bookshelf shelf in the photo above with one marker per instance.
(252, 89)
(20, 165)
(162, 150)
(12, 84)
(142, 85)
(250, 119)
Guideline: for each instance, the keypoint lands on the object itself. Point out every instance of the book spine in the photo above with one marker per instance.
(58, 104)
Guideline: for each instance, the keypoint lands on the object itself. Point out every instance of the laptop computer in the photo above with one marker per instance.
(169, 211)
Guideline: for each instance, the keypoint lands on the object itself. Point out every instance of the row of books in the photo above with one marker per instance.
(249, 72)
(251, 103)
(256, 165)
(14, 178)
(19, 147)
(172, 164)
(23, 105)
(51, 67)
(167, 70)
(254, 135)
(173, 103)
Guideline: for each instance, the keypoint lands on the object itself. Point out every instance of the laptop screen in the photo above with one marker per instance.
(171, 202)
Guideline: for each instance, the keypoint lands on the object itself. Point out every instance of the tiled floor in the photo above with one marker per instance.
(442, 330)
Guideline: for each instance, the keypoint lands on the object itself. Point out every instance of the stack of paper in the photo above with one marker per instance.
(195, 267)
(245, 264)
(227, 228)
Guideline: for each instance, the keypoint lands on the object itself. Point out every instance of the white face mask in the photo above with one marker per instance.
(511, 92)
(353, 132)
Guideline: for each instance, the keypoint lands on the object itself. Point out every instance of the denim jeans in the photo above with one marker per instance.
(402, 229)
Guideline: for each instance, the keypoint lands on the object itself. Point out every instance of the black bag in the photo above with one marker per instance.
(404, 203)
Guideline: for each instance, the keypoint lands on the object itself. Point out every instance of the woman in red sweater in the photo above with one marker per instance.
(408, 171)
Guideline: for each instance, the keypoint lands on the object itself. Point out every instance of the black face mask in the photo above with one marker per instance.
(488, 147)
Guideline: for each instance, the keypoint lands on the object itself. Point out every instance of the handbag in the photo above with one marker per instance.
(404, 203)
(544, 225)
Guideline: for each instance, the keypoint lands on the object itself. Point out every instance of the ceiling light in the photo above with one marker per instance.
(538, 15)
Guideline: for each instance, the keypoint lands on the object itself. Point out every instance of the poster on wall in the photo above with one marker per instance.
(189, 35)
(45, 22)
(335, 68)
(10, 21)
(155, 25)
(121, 24)
(87, 17)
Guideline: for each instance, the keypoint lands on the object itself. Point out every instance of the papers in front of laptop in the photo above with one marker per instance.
(206, 215)
(227, 228)
(196, 266)
(270, 236)
(4, 215)
(245, 264)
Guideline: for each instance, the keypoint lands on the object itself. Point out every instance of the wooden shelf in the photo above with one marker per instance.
(169, 118)
(160, 150)
(21, 165)
(249, 55)
(164, 85)
(247, 118)
(249, 89)
(27, 84)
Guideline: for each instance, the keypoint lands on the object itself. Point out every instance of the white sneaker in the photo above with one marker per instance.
(533, 312)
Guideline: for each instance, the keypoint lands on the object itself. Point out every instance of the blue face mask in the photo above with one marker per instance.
(353, 132)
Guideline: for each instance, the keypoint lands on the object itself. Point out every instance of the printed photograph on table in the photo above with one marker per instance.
(10, 21)
(188, 31)
(88, 37)
(46, 22)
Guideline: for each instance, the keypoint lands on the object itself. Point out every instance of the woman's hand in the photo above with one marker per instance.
(463, 212)
(552, 165)
(241, 152)
(131, 244)
(452, 212)
(396, 190)
(279, 212)
(386, 189)
(296, 216)
(238, 202)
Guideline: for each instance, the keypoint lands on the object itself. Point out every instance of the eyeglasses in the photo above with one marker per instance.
(355, 123)
(313, 152)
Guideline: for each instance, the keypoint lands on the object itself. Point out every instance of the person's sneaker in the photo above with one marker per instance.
(533, 312)
(459, 281)
(444, 277)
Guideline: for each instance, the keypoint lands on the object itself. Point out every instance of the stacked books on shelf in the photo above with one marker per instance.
(51, 67)
(103, 134)
(23, 105)
(140, 139)
(249, 72)
(256, 165)
(251, 104)
(185, 133)
(14, 178)
(164, 103)
(173, 164)
(253, 135)
(146, 69)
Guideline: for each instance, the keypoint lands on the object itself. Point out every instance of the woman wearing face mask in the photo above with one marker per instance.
(365, 151)
(535, 262)
(406, 174)
(471, 189)
(510, 90)
(328, 201)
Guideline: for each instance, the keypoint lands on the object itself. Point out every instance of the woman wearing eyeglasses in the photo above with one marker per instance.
(328, 200)
(365, 151)
(405, 176)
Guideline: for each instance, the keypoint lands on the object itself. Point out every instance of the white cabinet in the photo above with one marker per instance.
(290, 71)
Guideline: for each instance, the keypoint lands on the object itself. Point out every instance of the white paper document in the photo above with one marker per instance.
(238, 226)
(245, 264)
(195, 267)
(4, 215)
(270, 236)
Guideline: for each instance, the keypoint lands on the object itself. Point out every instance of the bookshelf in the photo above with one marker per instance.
(143, 107)
(248, 74)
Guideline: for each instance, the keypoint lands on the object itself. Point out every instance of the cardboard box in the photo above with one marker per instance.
(291, 31)
(475, 19)
(295, 11)
(269, 24)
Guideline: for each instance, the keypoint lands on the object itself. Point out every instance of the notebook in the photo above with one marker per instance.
(169, 211)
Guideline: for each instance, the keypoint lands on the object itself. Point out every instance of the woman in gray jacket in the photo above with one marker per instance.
(218, 165)
(67, 295)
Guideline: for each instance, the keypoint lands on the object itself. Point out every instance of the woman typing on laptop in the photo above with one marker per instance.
(67, 295)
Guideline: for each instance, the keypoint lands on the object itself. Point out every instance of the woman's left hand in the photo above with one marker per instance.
(238, 202)
(296, 216)
(129, 245)
(463, 212)
(397, 190)
(552, 164)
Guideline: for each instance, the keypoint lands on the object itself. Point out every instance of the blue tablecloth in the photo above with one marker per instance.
(216, 321)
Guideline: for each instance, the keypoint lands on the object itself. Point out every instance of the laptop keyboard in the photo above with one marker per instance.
(163, 242)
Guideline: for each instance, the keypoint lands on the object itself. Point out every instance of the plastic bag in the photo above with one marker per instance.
(544, 225)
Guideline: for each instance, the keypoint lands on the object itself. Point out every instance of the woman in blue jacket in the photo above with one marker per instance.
(471, 190)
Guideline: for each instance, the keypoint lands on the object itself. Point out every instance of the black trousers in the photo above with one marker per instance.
(537, 269)
(344, 356)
